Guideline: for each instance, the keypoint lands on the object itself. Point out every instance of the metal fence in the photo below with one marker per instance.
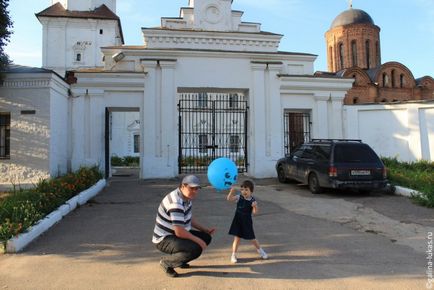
(212, 125)
(5, 123)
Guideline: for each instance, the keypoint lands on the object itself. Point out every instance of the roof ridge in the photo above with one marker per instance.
(57, 10)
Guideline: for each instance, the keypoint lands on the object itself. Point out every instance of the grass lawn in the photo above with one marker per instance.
(415, 175)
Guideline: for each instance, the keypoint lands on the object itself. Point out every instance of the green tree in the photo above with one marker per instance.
(5, 32)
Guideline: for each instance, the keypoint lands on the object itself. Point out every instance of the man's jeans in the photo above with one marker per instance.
(181, 250)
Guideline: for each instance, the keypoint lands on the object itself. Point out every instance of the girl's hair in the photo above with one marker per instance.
(248, 184)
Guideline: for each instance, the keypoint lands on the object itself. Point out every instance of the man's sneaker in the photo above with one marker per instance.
(263, 254)
(234, 259)
(168, 270)
(184, 266)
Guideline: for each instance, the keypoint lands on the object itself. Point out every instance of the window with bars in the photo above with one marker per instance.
(5, 129)
(136, 143)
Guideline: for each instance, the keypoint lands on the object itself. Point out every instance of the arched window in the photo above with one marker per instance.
(368, 54)
(341, 55)
(385, 80)
(393, 78)
(401, 81)
(354, 52)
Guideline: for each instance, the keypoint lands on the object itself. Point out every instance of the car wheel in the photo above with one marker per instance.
(314, 184)
(281, 175)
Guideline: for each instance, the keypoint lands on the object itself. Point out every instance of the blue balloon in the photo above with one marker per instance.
(222, 173)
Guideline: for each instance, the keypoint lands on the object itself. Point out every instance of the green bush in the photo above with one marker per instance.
(125, 161)
(23, 208)
(415, 175)
(131, 161)
(196, 161)
(116, 161)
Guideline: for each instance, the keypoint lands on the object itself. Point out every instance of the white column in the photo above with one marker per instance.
(257, 127)
(321, 115)
(274, 117)
(336, 115)
(159, 129)
(169, 122)
(96, 128)
(78, 129)
(95, 47)
(148, 123)
(44, 42)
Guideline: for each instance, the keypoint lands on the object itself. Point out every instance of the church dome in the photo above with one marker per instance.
(352, 16)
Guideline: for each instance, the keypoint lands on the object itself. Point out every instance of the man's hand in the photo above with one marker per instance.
(182, 233)
(201, 243)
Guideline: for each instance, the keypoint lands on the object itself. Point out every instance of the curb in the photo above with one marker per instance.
(399, 190)
(18, 243)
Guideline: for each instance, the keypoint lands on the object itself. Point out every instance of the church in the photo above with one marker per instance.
(204, 84)
(354, 51)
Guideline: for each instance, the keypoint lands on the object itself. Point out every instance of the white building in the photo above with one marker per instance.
(73, 31)
(207, 52)
(205, 84)
(34, 139)
(124, 134)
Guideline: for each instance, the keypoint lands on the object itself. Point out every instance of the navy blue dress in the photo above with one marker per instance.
(242, 224)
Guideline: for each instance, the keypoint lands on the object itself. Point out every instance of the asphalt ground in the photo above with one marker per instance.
(314, 242)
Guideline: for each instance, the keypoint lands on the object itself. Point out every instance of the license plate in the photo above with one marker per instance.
(360, 172)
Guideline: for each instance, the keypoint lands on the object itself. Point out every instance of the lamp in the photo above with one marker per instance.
(118, 56)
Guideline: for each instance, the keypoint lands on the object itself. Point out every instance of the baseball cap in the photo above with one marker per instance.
(191, 180)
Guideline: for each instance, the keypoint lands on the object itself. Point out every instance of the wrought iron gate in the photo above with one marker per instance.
(212, 125)
(297, 126)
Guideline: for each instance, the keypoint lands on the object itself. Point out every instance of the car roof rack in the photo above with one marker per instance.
(336, 140)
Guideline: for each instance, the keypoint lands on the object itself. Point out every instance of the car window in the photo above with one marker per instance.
(322, 152)
(308, 152)
(352, 153)
(298, 153)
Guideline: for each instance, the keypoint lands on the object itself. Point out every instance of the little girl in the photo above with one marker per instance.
(242, 224)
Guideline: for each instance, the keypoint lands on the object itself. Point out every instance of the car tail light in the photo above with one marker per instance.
(384, 172)
(333, 171)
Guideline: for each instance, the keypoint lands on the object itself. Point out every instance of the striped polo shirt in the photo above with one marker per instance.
(173, 211)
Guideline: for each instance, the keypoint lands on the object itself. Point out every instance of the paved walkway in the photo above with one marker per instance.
(106, 244)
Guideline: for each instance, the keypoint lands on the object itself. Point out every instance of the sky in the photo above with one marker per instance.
(407, 26)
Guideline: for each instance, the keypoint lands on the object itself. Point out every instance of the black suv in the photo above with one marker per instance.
(334, 163)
